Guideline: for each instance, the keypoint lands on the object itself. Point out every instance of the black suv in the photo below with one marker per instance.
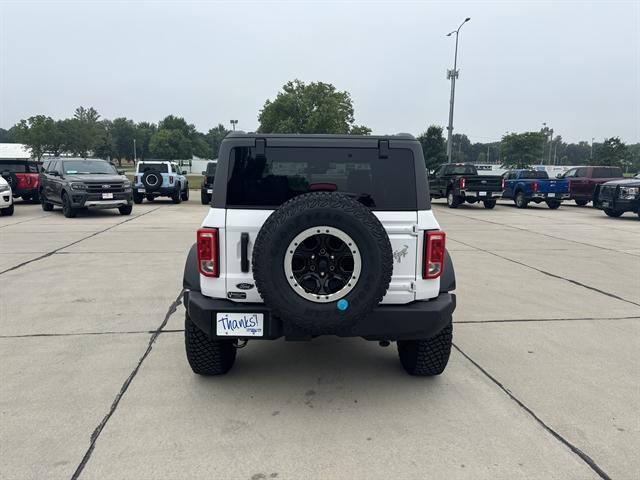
(77, 183)
(208, 176)
(618, 196)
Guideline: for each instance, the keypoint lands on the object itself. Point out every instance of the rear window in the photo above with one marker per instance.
(611, 172)
(461, 170)
(534, 175)
(19, 167)
(158, 167)
(283, 173)
(211, 169)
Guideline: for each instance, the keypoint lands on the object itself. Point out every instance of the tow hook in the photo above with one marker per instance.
(384, 343)
(240, 345)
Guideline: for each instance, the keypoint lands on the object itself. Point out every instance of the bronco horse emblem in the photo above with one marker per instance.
(398, 255)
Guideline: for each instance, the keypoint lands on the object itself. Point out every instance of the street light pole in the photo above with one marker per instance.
(135, 158)
(452, 75)
(233, 124)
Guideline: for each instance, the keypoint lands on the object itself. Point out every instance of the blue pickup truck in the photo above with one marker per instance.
(524, 186)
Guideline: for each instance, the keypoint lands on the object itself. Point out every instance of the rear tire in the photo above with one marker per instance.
(35, 198)
(150, 198)
(125, 209)
(176, 197)
(489, 204)
(205, 198)
(426, 357)
(206, 356)
(553, 204)
(7, 212)
(185, 194)
(137, 198)
(46, 206)
(520, 201)
(67, 209)
(452, 200)
(613, 213)
(581, 203)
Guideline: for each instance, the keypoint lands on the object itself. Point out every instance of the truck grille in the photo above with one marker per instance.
(106, 187)
(607, 192)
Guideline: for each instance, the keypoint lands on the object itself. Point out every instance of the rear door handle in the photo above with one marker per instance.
(244, 252)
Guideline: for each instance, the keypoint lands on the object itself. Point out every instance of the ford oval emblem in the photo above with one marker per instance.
(244, 286)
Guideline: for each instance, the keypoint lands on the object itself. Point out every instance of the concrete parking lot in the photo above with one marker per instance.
(544, 380)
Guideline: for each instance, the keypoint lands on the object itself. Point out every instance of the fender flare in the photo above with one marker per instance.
(448, 278)
(191, 277)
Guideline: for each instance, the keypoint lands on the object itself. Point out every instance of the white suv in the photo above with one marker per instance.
(6, 198)
(313, 235)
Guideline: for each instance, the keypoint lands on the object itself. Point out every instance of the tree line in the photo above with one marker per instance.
(87, 134)
(316, 107)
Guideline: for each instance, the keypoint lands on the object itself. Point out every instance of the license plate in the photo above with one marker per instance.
(141, 190)
(605, 204)
(107, 196)
(482, 194)
(550, 195)
(209, 190)
(240, 324)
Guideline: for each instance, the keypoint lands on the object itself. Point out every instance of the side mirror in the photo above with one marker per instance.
(204, 173)
(560, 176)
(184, 172)
(120, 172)
(53, 173)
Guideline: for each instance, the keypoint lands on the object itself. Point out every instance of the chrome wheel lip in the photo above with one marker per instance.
(322, 230)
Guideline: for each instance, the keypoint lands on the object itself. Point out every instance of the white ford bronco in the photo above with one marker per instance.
(313, 235)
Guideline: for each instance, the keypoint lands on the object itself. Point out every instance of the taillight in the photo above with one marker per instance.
(463, 182)
(207, 246)
(433, 254)
(534, 187)
(170, 179)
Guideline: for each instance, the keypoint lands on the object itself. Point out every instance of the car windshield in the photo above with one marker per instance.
(158, 167)
(86, 167)
(19, 167)
(534, 175)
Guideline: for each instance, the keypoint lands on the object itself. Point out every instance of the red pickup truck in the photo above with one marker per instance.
(583, 181)
(22, 177)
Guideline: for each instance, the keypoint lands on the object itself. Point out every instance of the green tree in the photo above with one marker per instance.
(40, 134)
(433, 147)
(461, 148)
(214, 138)
(123, 132)
(170, 145)
(314, 108)
(83, 132)
(522, 149)
(8, 136)
(612, 151)
(144, 132)
(105, 146)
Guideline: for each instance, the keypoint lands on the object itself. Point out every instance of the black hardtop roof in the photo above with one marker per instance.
(316, 136)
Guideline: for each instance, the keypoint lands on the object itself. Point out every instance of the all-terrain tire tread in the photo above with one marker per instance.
(206, 356)
(427, 357)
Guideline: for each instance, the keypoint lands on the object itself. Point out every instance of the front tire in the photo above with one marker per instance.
(553, 204)
(7, 212)
(426, 358)
(520, 201)
(581, 203)
(137, 198)
(125, 209)
(67, 209)
(489, 204)
(613, 213)
(185, 194)
(46, 206)
(206, 356)
(176, 197)
(205, 198)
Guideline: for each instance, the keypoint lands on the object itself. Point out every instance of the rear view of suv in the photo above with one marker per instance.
(22, 177)
(206, 189)
(80, 183)
(313, 235)
(160, 179)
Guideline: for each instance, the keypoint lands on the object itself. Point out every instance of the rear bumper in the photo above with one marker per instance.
(161, 192)
(25, 192)
(416, 320)
(480, 195)
(550, 196)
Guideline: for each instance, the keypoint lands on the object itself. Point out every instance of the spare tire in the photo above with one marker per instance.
(152, 180)
(322, 261)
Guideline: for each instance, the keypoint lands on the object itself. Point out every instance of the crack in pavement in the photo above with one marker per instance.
(123, 389)
(517, 320)
(583, 456)
(553, 275)
(25, 221)
(88, 334)
(48, 254)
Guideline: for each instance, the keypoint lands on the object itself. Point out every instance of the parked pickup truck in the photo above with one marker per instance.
(460, 182)
(618, 196)
(583, 181)
(524, 186)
